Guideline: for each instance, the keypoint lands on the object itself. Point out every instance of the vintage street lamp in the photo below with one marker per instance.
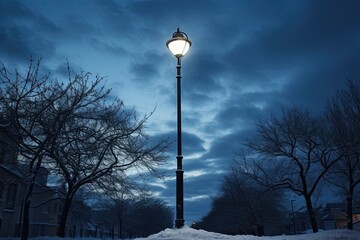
(179, 44)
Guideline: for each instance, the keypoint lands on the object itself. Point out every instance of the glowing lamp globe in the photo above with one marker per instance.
(179, 44)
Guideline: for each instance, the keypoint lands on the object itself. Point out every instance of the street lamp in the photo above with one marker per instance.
(179, 45)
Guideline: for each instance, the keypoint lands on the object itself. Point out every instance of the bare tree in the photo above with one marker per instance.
(343, 114)
(24, 103)
(78, 129)
(80, 213)
(246, 207)
(98, 138)
(136, 215)
(149, 216)
(292, 152)
(120, 208)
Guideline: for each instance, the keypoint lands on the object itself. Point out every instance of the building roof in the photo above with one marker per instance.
(334, 214)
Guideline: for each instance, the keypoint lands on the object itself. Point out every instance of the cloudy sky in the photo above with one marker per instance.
(247, 59)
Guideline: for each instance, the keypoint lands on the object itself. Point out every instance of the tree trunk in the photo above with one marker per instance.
(120, 229)
(26, 217)
(311, 212)
(64, 216)
(349, 209)
(27, 203)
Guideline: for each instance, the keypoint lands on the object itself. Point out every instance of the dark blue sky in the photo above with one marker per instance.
(247, 59)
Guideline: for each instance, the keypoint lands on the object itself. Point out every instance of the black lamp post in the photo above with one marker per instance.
(179, 44)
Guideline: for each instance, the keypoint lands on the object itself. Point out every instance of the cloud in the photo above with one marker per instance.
(237, 117)
(112, 49)
(144, 71)
(23, 33)
(191, 143)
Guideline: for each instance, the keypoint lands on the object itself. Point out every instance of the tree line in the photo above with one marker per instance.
(76, 129)
(122, 217)
(295, 151)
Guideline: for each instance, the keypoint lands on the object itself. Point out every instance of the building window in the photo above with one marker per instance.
(11, 196)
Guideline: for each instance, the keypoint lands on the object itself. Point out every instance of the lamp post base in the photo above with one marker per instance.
(179, 223)
(179, 220)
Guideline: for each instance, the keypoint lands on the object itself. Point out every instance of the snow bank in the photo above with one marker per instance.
(187, 233)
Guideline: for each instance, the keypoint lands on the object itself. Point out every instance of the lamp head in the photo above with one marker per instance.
(179, 44)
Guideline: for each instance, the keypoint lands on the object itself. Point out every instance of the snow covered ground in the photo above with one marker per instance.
(187, 233)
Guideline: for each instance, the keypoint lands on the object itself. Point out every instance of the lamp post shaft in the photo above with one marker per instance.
(179, 221)
(179, 137)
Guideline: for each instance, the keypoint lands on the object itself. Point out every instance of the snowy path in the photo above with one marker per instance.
(187, 233)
